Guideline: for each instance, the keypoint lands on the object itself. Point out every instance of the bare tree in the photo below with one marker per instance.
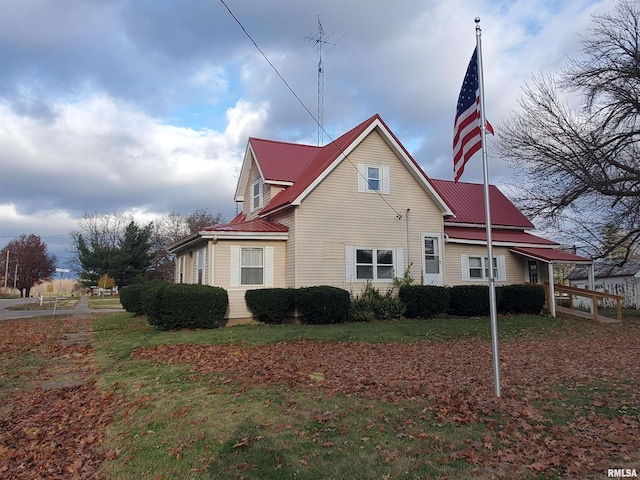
(202, 218)
(579, 168)
(170, 228)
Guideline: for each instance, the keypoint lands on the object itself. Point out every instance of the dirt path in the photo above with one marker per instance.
(51, 424)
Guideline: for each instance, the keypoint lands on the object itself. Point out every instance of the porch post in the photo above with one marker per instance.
(552, 292)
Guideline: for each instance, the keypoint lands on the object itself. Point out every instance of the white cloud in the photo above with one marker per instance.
(136, 107)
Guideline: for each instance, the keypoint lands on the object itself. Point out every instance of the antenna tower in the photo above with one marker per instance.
(319, 41)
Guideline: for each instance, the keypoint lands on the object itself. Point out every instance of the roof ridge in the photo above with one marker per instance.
(295, 144)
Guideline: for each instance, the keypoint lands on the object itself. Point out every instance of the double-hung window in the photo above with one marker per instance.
(373, 263)
(200, 262)
(251, 266)
(182, 262)
(477, 268)
(373, 178)
(256, 195)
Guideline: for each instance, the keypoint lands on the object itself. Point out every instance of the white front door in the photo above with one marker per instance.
(431, 259)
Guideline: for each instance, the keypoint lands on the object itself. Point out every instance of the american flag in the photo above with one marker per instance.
(467, 138)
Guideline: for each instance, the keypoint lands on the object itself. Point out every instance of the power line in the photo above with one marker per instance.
(295, 95)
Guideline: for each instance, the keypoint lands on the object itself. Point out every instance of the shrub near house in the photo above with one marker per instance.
(177, 306)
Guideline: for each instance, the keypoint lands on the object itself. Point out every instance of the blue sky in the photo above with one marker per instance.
(145, 106)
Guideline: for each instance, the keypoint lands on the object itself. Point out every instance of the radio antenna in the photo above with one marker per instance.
(320, 41)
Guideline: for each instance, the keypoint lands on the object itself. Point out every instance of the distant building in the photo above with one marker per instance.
(611, 277)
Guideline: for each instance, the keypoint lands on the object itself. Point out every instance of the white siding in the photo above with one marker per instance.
(454, 253)
(223, 259)
(335, 215)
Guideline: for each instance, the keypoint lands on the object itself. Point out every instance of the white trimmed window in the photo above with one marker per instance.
(200, 263)
(376, 264)
(251, 266)
(256, 195)
(477, 268)
(373, 178)
(182, 262)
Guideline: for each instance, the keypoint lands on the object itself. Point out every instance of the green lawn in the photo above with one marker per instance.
(98, 302)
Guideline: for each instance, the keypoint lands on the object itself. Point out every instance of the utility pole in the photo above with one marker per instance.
(6, 272)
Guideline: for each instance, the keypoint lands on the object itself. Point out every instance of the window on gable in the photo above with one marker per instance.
(373, 178)
(256, 195)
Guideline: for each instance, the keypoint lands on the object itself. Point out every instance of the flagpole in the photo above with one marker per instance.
(487, 210)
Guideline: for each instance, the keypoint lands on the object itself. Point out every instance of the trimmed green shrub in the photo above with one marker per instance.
(521, 299)
(323, 304)
(469, 300)
(185, 306)
(131, 299)
(373, 305)
(424, 301)
(150, 291)
(270, 305)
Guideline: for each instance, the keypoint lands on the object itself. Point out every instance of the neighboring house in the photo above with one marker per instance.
(611, 277)
(358, 210)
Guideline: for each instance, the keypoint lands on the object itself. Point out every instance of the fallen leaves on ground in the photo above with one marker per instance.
(53, 432)
(541, 378)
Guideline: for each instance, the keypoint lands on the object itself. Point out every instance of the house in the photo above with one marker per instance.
(357, 210)
(612, 277)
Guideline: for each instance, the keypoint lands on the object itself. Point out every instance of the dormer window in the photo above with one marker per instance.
(256, 195)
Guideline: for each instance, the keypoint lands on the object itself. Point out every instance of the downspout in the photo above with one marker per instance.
(408, 243)
(552, 292)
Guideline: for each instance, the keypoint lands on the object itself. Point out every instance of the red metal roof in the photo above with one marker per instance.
(254, 226)
(318, 164)
(497, 235)
(466, 200)
(551, 255)
(282, 161)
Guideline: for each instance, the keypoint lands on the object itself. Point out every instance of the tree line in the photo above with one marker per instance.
(105, 244)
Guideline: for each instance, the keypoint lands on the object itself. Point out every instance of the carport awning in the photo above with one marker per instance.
(550, 255)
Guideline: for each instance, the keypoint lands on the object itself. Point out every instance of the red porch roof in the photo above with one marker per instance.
(238, 224)
(497, 235)
(466, 200)
(551, 255)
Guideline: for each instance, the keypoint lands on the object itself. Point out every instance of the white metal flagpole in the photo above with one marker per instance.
(487, 210)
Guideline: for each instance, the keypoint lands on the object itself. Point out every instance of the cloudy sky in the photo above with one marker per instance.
(145, 106)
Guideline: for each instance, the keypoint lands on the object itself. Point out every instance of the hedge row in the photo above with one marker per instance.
(177, 306)
(316, 305)
(170, 306)
(423, 301)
